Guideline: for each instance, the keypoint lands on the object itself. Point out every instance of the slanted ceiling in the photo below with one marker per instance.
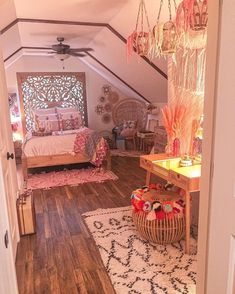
(27, 26)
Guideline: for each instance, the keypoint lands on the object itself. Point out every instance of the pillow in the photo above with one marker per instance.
(47, 123)
(41, 134)
(70, 120)
(60, 110)
(128, 132)
(129, 124)
(44, 111)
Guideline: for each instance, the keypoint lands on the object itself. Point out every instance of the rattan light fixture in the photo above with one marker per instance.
(192, 14)
(165, 34)
(141, 38)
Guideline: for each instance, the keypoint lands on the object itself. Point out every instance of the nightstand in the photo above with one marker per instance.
(18, 151)
(146, 139)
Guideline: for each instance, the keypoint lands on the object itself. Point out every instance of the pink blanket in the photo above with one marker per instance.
(92, 144)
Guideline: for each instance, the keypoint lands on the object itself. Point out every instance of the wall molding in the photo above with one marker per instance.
(78, 23)
(91, 56)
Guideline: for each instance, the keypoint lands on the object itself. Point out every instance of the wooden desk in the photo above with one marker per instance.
(187, 178)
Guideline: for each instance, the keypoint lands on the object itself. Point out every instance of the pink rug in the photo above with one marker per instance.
(69, 177)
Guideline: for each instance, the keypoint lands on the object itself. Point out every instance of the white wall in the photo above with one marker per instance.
(94, 81)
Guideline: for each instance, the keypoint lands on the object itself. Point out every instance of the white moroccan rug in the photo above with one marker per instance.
(134, 265)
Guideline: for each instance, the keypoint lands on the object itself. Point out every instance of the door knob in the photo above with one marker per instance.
(6, 239)
(10, 155)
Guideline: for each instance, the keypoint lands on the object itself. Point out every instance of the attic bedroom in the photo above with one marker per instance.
(103, 120)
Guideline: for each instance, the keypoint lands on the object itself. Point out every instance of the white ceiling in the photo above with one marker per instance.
(44, 35)
(72, 10)
(120, 14)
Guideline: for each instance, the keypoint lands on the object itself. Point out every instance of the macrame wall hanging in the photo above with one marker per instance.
(165, 36)
(141, 39)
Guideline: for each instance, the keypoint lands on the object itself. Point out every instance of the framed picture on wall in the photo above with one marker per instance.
(14, 106)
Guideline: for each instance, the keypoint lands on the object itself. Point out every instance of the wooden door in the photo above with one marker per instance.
(220, 277)
(9, 235)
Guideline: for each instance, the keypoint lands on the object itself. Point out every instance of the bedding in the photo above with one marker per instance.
(94, 146)
(48, 123)
(56, 119)
(83, 140)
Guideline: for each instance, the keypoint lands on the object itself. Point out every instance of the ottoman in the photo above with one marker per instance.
(158, 214)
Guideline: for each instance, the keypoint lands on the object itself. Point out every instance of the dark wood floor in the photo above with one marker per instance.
(62, 256)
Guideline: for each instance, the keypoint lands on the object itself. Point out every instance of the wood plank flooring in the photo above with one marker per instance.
(62, 256)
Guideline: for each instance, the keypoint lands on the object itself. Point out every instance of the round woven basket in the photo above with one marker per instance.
(166, 231)
(161, 231)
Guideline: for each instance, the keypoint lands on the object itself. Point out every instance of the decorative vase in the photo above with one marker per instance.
(169, 146)
(176, 147)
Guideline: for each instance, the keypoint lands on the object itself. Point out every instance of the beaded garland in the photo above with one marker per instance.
(145, 199)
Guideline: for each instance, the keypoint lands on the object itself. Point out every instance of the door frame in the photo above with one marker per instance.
(214, 12)
(10, 268)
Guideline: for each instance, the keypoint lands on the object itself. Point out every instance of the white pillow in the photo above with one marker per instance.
(44, 111)
(66, 110)
(48, 122)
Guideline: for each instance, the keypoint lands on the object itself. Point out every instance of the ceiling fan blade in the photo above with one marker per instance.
(60, 47)
(80, 49)
(77, 54)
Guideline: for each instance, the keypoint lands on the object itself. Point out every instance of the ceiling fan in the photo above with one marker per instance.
(63, 51)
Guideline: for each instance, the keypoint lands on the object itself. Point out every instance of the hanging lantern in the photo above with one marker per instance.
(169, 42)
(165, 34)
(192, 14)
(199, 17)
(140, 40)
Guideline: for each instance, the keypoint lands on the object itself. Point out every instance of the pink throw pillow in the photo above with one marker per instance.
(70, 121)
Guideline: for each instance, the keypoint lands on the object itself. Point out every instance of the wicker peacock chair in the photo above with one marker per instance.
(130, 109)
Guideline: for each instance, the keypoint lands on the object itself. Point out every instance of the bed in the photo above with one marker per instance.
(60, 146)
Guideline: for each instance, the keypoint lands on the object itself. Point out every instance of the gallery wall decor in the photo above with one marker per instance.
(106, 118)
(45, 90)
(106, 90)
(108, 107)
(14, 106)
(113, 97)
(106, 102)
(99, 109)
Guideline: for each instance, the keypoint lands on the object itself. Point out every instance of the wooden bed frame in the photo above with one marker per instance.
(53, 160)
(56, 159)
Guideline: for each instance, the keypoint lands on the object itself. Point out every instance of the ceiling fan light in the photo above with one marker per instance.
(61, 56)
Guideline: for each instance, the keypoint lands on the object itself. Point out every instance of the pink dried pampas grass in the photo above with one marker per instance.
(173, 118)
